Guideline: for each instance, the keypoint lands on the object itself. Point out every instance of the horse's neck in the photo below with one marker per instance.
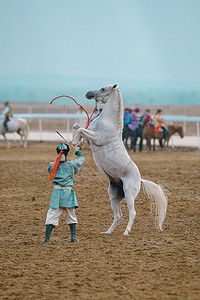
(172, 130)
(113, 110)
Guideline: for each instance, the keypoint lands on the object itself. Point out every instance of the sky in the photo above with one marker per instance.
(156, 40)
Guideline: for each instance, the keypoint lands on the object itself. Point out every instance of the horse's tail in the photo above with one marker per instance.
(159, 200)
(25, 127)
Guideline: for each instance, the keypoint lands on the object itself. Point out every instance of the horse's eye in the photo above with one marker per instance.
(102, 89)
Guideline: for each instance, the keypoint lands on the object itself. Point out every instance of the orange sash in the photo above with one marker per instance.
(55, 166)
(158, 127)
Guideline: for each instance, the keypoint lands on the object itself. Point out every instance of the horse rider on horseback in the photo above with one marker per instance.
(127, 117)
(63, 197)
(135, 127)
(134, 124)
(146, 119)
(7, 112)
(158, 124)
(127, 120)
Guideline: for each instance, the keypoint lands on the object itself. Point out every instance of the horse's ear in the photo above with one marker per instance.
(114, 86)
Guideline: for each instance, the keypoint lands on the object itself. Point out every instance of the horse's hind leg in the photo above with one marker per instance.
(24, 139)
(141, 142)
(125, 143)
(115, 204)
(130, 195)
(6, 140)
(154, 145)
(148, 144)
(21, 137)
(116, 195)
(25, 142)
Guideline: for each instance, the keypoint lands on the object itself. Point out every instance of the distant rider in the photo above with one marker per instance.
(63, 197)
(146, 119)
(127, 117)
(134, 124)
(135, 128)
(7, 112)
(158, 124)
(127, 121)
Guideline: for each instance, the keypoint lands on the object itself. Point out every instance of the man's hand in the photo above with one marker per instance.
(77, 147)
(78, 153)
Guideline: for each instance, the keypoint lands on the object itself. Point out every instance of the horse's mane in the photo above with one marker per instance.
(120, 123)
(118, 110)
(175, 127)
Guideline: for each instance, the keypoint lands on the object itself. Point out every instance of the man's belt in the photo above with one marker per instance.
(59, 187)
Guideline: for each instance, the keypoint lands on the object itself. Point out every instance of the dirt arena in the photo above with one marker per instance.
(144, 265)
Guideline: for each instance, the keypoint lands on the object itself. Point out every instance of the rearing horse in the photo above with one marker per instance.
(110, 155)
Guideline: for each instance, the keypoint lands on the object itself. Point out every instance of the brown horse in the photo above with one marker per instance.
(149, 133)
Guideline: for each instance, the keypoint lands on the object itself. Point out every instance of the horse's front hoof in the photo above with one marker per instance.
(76, 126)
(106, 232)
(125, 232)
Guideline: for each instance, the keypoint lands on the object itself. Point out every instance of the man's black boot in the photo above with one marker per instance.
(48, 233)
(73, 233)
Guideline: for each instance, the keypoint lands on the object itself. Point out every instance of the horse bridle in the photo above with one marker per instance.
(103, 96)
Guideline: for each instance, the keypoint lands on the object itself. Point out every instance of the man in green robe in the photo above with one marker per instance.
(63, 197)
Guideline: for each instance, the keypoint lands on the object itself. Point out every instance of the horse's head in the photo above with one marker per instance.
(102, 94)
(180, 131)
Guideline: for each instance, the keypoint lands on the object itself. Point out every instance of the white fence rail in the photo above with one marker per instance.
(77, 117)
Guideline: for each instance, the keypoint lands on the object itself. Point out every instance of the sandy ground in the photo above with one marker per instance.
(144, 265)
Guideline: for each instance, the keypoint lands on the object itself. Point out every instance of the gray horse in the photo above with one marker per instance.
(105, 138)
(18, 125)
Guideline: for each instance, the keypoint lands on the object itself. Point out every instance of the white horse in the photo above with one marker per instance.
(18, 125)
(105, 137)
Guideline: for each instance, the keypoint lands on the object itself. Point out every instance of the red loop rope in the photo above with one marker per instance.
(88, 118)
(86, 126)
